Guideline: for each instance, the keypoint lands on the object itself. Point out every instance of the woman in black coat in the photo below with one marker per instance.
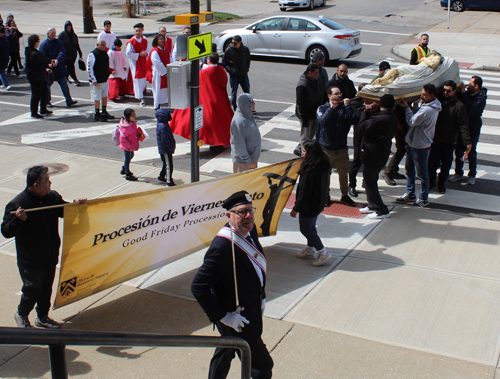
(310, 200)
(15, 57)
(36, 63)
(72, 46)
(166, 145)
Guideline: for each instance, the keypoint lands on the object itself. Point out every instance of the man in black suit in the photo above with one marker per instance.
(236, 312)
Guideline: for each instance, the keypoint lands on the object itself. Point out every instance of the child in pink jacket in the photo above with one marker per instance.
(129, 140)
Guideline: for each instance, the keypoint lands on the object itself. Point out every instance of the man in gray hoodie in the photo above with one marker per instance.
(245, 135)
(422, 123)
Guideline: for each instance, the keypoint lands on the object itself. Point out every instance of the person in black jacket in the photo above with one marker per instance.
(166, 145)
(4, 58)
(378, 124)
(70, 40)
(215, 290)
(36, 63)
(236, 61)
(308, 99)
(309, 201)
(98, 70)
(15, 57)
(342, 81)
(37, 244)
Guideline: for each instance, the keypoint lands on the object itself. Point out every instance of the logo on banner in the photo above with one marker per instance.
(68, 286)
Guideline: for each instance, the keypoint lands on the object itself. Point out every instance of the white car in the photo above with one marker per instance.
(296, 36)
(301, 4)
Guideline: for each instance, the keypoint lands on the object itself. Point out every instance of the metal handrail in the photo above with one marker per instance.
(58, 339)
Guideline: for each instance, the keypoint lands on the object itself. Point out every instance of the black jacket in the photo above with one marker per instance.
(308, 98)
(37, 238)
(334, 125)
(4, 52)
(357, 135)
(213, 285)
(452, 119)
(312, 190)
(70, 41)
(378, 130)
(240, 59)
(164, 137)
(36, 62)
(346, 86)
(474, 103)
(14, 40)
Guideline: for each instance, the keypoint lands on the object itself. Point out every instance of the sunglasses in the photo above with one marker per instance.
(448, 90)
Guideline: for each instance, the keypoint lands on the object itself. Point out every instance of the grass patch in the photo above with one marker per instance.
(115, 13)
(218, 16)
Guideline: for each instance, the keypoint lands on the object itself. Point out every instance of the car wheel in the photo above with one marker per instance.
(313, 49)
(227, 43)
(323, 3)
(311, 4)
(457, 6)
(283, 9)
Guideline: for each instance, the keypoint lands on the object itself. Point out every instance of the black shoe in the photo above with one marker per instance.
(298, 151)
(36, 115)
(353, 192)
(328, 201)
(347, 201)
(77, 83)
(72, 102)
(49, 104)
(388, 179)
(171, 183)
(162, 179)
(122, 172)
(100, 117)
(397, 175)
(107, 115)
(131, 177)
(441, 187)
(218, 148)
(47, 323)
(46, 112)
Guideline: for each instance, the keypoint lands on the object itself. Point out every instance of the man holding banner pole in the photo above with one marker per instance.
(32, 217)
(229, 286)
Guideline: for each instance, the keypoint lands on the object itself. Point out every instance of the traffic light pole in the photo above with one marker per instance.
(195, 101)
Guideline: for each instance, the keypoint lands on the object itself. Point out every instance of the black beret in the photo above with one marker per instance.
(238, 198)
(139, 25)
(387, 101)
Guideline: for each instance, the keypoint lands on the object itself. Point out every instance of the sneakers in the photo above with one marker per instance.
(131, 178)
(455, 178)
(8, 88)
(72, 102)
(107, 115)
(366, 210)
(347, 201)
(100, 117)
(323, 257)
(353, 192)
(421, 203)
(471, 180)
(47, 323)
(142, 103)
(162, 179)
(397, 175)
(375, 216)
(36, 115)
(46, 112)
(308, 253)
(389, 180)
(77, 84)
(22, 321)
(406, 198)
(171, 184)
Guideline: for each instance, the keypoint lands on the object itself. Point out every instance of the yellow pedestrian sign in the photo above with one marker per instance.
(199, 45)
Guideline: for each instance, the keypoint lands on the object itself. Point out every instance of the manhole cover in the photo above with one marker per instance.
(54, 168)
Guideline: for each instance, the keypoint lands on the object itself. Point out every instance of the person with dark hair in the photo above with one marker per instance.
(185, 31)
(117, 81)
(319, 60)
(36, 64)
(4, 58)
(422, 125)
(341, 80)
(156, 64)
(236, 61)
(15, 57)
(335, 119)
(309, 202)
(378, 124)
(137, 53)
(451, 121)
(54, 49)
(230, 287)
(383, 67)
(70, 40)
(129, 141)
(421, 51)
(308, 99)
(98, 70)
(107, 35)
(37, 244)
(474, 97)
(166, 146)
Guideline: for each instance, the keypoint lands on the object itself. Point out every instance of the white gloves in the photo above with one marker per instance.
(235, 321)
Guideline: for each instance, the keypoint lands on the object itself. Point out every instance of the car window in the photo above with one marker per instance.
(311, 27)
(332, 24)
(271, 24)
(295, 24)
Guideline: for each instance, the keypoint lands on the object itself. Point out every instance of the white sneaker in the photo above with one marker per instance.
(308, 253)
(8, 88)
(323, 257)
(142, 103)
(2, 86)
(375, 216)
(366, 210)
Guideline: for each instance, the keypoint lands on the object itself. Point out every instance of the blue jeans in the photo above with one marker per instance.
(128, 157)
(63, 83)
(3, 77)
(245, 86)
(417, 159)
(308, 229)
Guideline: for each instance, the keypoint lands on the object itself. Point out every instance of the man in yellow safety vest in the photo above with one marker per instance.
(421, 50)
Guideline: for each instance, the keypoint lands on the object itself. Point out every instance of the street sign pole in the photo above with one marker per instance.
(195, 101)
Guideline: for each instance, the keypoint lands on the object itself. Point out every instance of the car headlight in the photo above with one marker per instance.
(222, 34)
